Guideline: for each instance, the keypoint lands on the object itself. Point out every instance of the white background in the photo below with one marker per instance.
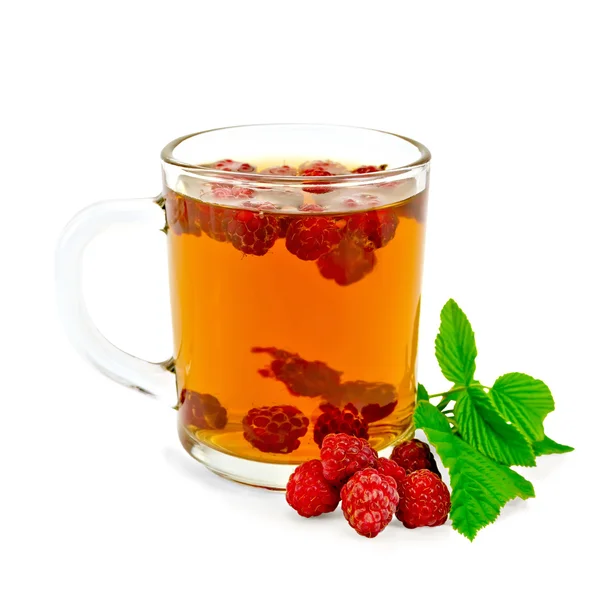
(98, 499)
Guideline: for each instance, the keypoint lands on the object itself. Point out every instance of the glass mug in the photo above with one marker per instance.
(295, 259)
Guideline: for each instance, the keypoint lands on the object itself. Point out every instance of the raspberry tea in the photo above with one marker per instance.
(295, 258)
(295, 310)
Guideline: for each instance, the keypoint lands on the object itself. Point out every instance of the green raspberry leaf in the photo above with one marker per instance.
(480, 486)
(548, 446)
(422, 393)
(455, 347)
(524, 401)
(482, 426)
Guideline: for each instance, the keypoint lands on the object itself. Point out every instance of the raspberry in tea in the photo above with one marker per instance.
(306, 300)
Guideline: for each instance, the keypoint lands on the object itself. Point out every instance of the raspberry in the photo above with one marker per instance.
(375, 401)
(391, 469)
(252, 232)
(424, 500)
(222, 191)
(369, 169)
(320, 189)
(308, 493)
(414, 455)
(301, 377)
(334, 168)
(346, 264)
(285, 170)
(373, 229)
(231, 165)
(201, 410)
(310, 237)
(369, 501)
(343, 455)
(275, 428)
(334, 420)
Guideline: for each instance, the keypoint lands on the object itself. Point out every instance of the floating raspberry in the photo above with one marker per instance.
(231, 165)
(374, 229)
(309, 493)
(275, 428)
(302, 377)
(369, 501)
(285, 170)
(310, 237)
(391, 469)
(424, 500)
(334, 420)
(375, 401)
(414, 455)
(369, 169)
(347, 263)
(252, 232)
(201, 410)
(343, 455)
(334, 168)
(316, 189)
(221, 191)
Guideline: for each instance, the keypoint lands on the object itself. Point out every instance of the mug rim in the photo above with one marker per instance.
(167, 157)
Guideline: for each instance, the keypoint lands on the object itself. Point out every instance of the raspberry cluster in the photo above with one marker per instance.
(371, 489)
(342, 246)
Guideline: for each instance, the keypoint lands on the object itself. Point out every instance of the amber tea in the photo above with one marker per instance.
(295, 311)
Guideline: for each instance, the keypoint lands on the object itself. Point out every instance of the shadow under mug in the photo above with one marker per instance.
(295, 291)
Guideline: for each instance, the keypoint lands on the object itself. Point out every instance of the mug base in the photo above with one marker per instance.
(270, 476)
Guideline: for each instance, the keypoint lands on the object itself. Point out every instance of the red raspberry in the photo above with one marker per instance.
(346, 264)
(259, 204)
(334, 168)
(369, 501)
(414, 455)
(310, 237)
(424, 500)
(252, 232)
(316, 189)
(334, 420)
(374, 400)
(275, 428)
(373, 229)
(391, 469)
(231, 165)
(370, 169)
(308, 493)
(285, 170)
(201, 410)
(343, 455)
(302, 377)
(222, 191)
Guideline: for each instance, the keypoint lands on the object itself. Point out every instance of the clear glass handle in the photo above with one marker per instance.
(152, 378)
